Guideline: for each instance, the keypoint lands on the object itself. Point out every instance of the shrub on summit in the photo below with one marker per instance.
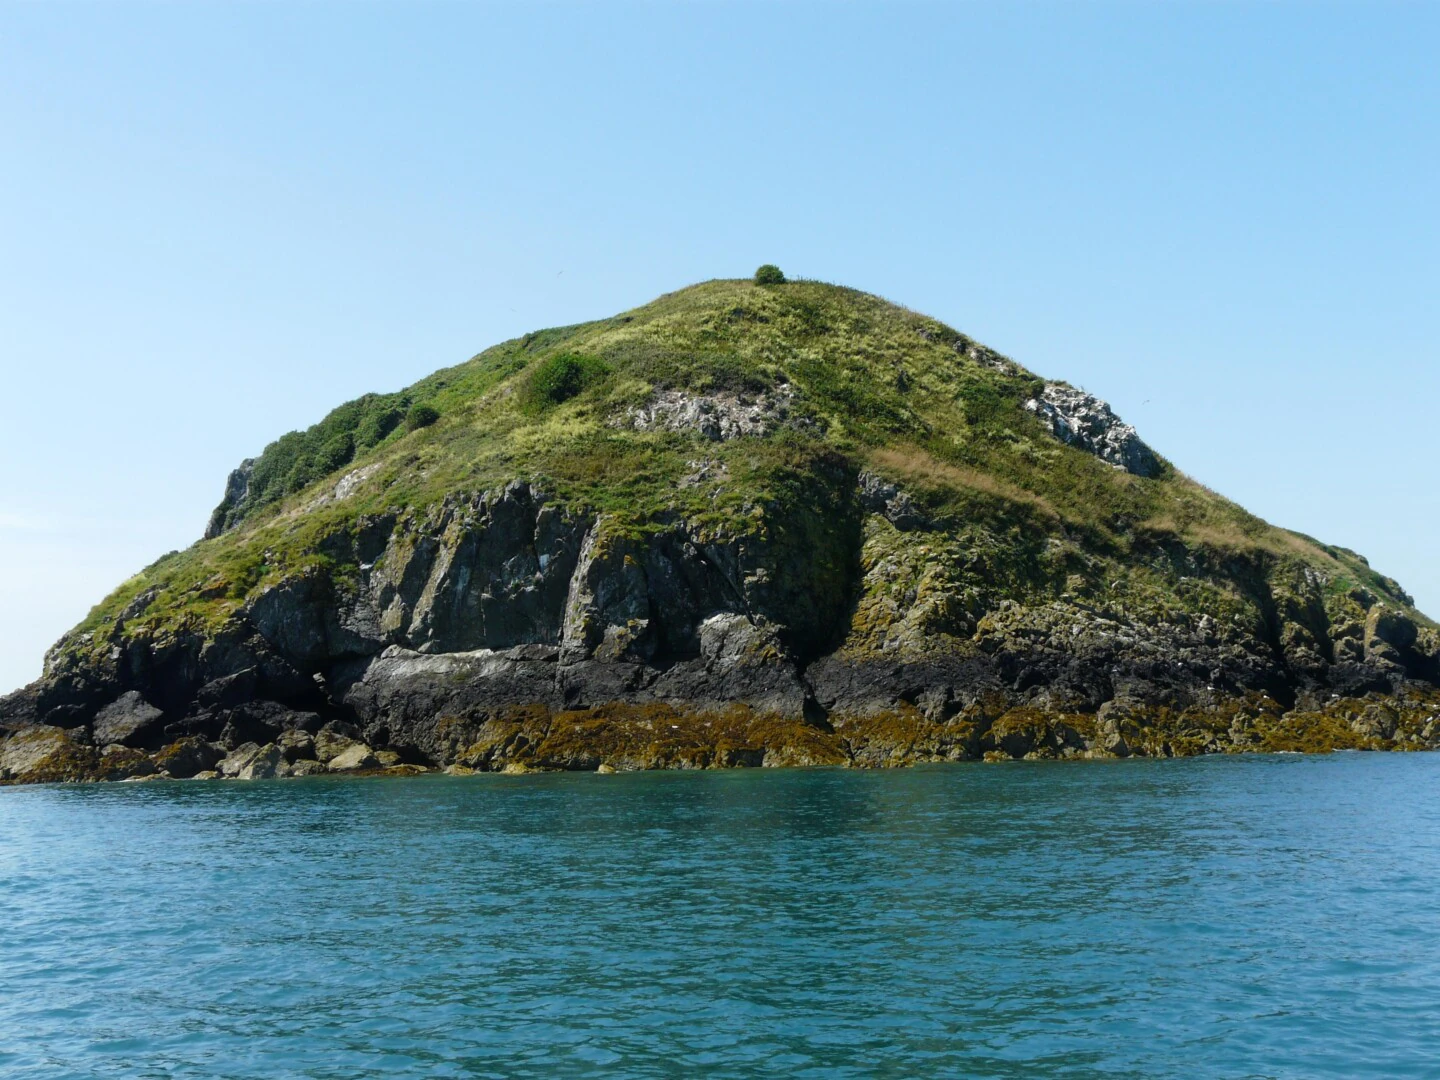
(769, 274)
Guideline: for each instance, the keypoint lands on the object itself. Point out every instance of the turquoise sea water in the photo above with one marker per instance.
(1228, 917)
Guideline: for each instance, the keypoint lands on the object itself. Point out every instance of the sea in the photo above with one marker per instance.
(1252, 916)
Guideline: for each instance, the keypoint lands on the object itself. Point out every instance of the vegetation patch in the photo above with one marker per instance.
(559, 378)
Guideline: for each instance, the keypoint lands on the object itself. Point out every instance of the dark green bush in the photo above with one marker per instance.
(376, 426)
(421, 416)
(769, 274)
(560, 378)
(337, 451)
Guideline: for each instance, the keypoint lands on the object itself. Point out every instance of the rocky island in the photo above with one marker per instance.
(750, 523)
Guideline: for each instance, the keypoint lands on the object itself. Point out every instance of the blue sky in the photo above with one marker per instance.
(219, 221)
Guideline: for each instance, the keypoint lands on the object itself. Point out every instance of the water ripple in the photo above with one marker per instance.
(1239, 917)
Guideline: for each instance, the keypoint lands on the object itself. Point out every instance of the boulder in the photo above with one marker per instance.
(129, 720)
(237, 759)
(296, 745)
(33, 754)
(186, 757)
(303, 767)
(262, 765)
(124, 763)
(335, 738)
(355, 756)
(1376, 722)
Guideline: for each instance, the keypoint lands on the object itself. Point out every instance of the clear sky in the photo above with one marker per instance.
(219, 221)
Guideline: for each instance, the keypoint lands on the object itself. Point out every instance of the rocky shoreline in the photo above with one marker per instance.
(622, 737)
(503, 633)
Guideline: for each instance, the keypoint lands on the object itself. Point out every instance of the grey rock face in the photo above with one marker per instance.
(607, 611)
(494, 574)
(237, 488)
(128, 720)
(1082, 420)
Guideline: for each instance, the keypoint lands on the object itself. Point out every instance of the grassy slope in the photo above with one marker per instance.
(887, 388)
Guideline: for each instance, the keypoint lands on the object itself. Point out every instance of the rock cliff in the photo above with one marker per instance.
(742, 525)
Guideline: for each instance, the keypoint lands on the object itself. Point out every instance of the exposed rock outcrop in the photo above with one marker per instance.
(1084, 421)
(232, 503)
(717, 417)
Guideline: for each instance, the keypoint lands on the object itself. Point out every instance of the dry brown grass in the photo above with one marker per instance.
(923, 469)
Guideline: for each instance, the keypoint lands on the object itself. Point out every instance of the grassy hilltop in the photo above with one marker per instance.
(875, 386)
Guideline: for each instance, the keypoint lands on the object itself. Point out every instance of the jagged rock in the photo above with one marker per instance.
(718, 417)
(1377, 722)
(1082, 420)
(1388, 635)
(607, 613)
(302, 767)
(262, 765)
(129, 720)
(232, 503)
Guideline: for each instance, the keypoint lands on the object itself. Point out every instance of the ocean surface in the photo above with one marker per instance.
(1227, 917)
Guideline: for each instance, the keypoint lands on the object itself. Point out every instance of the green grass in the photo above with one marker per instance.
(881, 386)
